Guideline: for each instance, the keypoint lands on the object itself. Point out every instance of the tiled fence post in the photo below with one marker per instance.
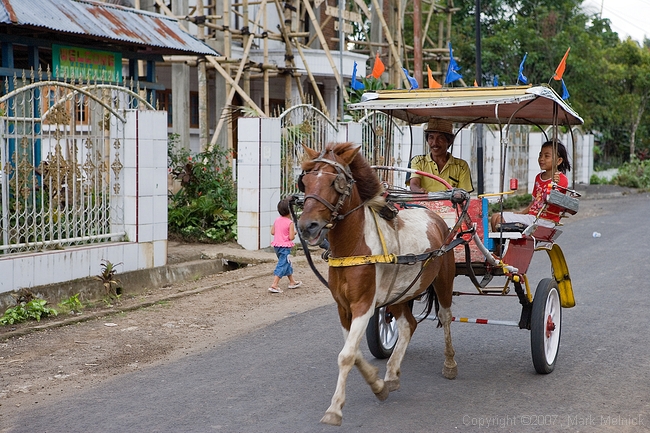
(258, 180)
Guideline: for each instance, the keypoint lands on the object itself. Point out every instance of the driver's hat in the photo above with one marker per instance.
(440, 125)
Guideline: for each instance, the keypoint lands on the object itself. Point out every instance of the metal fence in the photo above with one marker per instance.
(379, 141)
(60, 162)
(301, 125)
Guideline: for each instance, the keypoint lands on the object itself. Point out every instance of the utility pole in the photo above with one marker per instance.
(479, 127)
(417, 41)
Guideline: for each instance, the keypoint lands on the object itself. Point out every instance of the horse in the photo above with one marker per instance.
(342, 200)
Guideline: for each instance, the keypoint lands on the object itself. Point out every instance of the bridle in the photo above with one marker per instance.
(342, 184)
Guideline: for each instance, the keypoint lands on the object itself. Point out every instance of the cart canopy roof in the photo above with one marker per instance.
(539, 105)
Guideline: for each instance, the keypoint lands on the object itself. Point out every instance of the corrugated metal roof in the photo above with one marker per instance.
(101, 20)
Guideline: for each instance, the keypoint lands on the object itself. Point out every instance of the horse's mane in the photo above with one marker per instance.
(366, 179)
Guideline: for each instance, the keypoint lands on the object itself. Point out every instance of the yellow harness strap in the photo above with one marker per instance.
(338, 262)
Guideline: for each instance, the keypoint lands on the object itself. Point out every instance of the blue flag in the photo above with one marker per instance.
(495, 81)
(522, 77)
(452, 69)
(356, 85)
(412, 81)
(565, 92)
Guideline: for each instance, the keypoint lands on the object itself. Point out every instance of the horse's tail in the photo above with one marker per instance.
(430, 300)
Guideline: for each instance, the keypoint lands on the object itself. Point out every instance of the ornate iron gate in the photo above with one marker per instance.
(379, 142)
(301, 124)
(60, 162)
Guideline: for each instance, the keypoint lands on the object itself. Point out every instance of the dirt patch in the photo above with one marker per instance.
(181, 319)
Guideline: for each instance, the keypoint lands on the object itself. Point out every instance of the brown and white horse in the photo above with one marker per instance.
(342, 197)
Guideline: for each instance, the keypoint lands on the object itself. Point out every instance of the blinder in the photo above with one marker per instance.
(301, 184)
(340, 183)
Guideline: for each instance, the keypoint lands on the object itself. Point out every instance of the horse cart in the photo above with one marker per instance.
(391, 247)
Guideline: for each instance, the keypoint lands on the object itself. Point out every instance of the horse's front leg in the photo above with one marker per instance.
(351, 355)
(406, 325)
(450, 368)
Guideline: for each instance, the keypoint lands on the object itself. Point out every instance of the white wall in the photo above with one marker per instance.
(140, 209)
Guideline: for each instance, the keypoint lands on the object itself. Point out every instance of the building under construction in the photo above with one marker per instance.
(276, 54)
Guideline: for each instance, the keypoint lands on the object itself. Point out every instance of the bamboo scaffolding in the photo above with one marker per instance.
(210, 23)
(243, 93)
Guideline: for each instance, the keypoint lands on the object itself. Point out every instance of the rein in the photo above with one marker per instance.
(303, 243)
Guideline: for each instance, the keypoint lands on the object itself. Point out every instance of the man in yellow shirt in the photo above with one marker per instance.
(439, 135)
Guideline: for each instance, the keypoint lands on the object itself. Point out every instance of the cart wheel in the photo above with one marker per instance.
(381, 333)
(545, 326)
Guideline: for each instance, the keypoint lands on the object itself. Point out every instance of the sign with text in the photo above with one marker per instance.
(333, 11)
(87, 64)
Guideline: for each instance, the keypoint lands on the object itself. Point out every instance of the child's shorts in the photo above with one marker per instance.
(283, 268)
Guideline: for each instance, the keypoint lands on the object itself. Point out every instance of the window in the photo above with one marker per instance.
(57, 98)
(194, 109)
(165, 103)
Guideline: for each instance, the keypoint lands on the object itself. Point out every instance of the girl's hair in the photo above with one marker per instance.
(283, 207)
(561, 153)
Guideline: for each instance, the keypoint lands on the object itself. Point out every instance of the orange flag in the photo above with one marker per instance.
(378, 68)
(560, 68)
(433, 84)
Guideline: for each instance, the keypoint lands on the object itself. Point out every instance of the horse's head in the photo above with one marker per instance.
(335, 181)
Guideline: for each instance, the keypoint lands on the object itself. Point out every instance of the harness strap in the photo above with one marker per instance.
(381, 235)
(339, 262)
(406, 259)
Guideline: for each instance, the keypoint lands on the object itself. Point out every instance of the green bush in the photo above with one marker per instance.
(511, 203)
(634, 174)
(32, 310)
(205, 208)
(597, 180)
(72, 304)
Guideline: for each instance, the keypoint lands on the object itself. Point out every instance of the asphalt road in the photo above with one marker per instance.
(281, 378)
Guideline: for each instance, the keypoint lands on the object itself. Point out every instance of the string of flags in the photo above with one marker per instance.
(453, 74)
(356, 84)
(412, 81)
(521, 77)
(453, 68)
(559, 71)
(378, 68)
(433, 84)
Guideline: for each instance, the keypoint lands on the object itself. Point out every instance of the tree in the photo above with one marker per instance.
(608, 79)
(631, 79)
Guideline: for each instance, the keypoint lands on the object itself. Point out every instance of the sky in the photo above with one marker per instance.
(627, 17)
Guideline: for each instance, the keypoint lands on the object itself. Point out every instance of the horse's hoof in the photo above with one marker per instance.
(331, 419)
(450, 372)
(392, 385)
(383, 394)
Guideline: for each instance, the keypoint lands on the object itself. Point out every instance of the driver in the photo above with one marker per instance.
(439, 161)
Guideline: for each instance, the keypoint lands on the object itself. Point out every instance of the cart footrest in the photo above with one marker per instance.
(505, 235)
(566, 203)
